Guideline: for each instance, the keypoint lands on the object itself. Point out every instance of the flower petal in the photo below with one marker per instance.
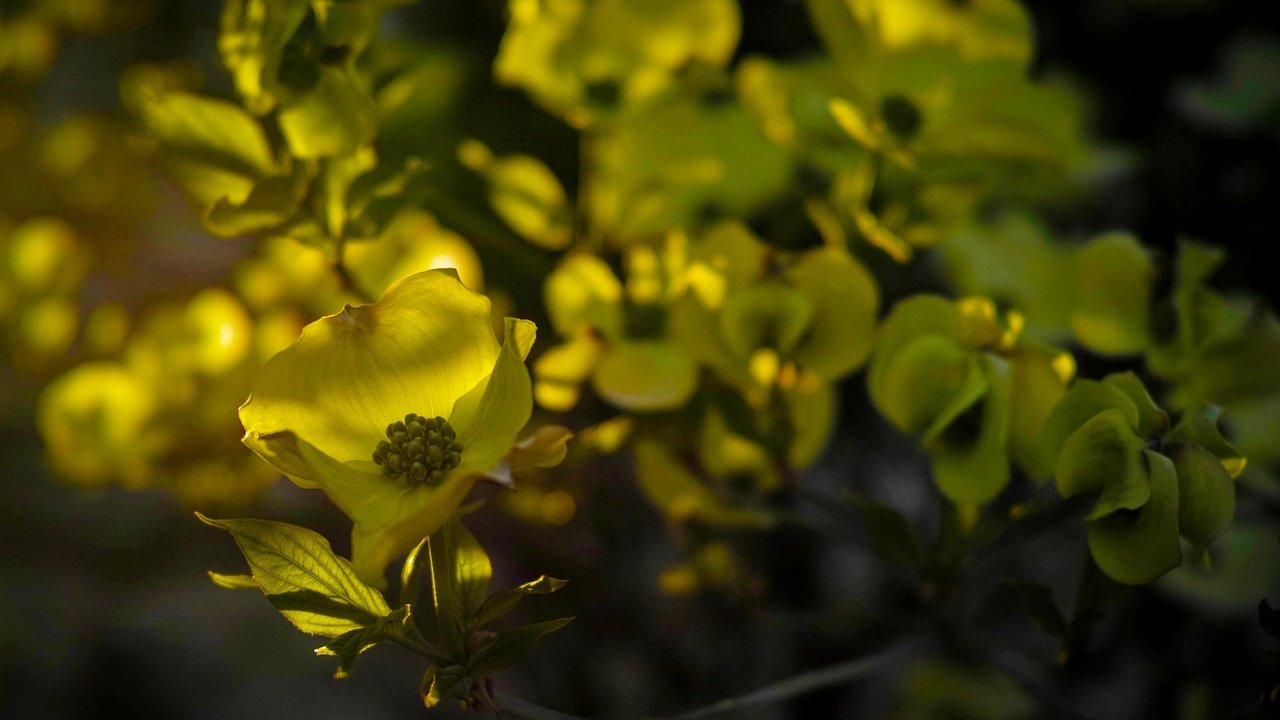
(417, 350)
(488, 420)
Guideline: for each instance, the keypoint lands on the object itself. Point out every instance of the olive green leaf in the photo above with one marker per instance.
(970, 460)
(1043, 607)
(893, 536)
(1137, 546)
(1105, 456)
(509, 647)
(1152, 421)
(1084, 400)
(1113, 276)
(504, 601)
(1200, 426)
(348, 646)
(1206, 494)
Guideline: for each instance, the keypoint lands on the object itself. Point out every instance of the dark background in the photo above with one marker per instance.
(104, 608)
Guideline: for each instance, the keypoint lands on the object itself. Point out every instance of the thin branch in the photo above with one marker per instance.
(784, 690)
(809, 681)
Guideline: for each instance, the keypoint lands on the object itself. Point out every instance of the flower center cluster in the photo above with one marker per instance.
(418, 450)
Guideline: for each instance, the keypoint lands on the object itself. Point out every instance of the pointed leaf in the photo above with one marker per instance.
(233, 582)
(318, 591)
(892, 535)
(1043, 607)
(510, 646)
(504, 601)
(347, 648)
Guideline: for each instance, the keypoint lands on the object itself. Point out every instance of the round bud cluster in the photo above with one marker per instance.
(418, 450)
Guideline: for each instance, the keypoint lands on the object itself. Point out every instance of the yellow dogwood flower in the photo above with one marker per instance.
(397, 409)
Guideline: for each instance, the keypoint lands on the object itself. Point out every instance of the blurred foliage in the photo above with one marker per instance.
(715, 240)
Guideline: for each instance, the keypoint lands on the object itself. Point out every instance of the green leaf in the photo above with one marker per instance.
(1200, 426)
(251, 40)
(927, 384)
(1206, 494)
(347, 647)
(973, 468)
(1152, 421)
(1105, 456)
(295, 567)
(525, 193)
(215, 149)
(1043, 607)
(1135, 547)
(764, 314)
(335, 117)
(510, 646)
(1038, 383)
(447, 683)
(892, 535)
(1113, 278)
(1084, 400)
(311, 602)
(845, 301)
(459, 571)
(504, 601)
(270, 203)
(683, 496)
(233, 582)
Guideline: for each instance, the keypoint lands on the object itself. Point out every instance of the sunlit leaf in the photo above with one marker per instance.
(311, 586)
(216, 149)
(335, 117)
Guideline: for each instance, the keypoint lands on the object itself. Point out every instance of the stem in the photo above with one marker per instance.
(807, 682)
(423, 648)
(784, 690)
